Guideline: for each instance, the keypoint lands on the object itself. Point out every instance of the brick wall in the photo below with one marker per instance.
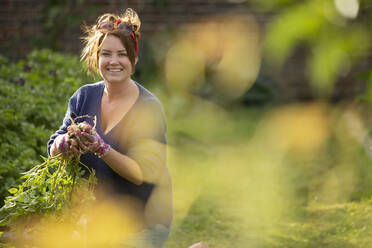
(21, 18)
(21, 25)
(18, 22)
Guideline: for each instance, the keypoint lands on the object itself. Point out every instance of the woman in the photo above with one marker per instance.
(127, 150)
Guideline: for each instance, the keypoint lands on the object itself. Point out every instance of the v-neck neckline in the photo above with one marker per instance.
(99, 121)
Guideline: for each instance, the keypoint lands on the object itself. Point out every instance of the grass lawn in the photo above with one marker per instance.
(293, 176)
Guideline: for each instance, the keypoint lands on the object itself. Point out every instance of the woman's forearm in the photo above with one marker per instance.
(121, 164)
(124, 166)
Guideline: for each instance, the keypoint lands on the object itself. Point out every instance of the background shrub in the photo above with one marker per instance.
(34, 93)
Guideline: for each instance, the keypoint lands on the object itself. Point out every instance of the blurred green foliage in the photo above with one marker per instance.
(335, 42)
(366, 97)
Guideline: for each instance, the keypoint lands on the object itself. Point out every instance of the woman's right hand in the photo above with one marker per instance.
(65, 144)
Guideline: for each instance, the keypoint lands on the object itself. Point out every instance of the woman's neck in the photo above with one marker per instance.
(115, 91)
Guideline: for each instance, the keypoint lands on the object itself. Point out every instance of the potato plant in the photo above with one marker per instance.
(48, 189)
(34, 93)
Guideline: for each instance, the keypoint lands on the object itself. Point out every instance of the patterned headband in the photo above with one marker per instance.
(122, 27)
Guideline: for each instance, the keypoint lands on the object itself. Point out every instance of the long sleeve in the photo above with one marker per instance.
(147, 141)
(71, 112)
(147, 146)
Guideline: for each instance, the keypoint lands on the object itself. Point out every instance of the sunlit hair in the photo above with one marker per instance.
(94, 35)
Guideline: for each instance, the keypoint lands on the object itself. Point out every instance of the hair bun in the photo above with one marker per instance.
(130, 16)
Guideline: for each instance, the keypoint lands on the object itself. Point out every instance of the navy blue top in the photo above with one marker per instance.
(140, 134)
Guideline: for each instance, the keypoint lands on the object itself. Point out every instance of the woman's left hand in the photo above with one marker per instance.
(90, 141)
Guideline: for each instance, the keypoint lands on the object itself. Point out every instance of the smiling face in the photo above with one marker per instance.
(113, 61)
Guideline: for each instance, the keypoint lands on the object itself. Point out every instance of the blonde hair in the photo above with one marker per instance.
(94, 35)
